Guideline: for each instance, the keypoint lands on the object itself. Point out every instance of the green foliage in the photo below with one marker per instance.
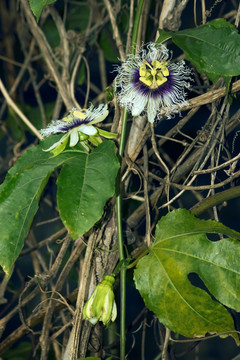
(37, 6)
(89, 358)
(93, 358)
(19, 197)
(14, 127)
(163, 36)
(78, 17)
(213, 48)
(181, 248)
(81, 74)
(21, 352)
(84, 185)
(107, 48)
(33, 113)
(51, 33)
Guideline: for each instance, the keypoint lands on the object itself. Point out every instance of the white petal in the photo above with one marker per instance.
(87, 129)
(93, 320)
(100, 118)
(97, 114)
(127, 96)
(74, 137)
(88, 306)
(152, 109)
(114, 311)
(139, 104)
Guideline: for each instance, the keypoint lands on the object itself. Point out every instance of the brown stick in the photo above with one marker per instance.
(47, 55)
(33, 321)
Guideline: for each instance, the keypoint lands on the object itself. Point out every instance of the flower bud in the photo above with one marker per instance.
(101, 305)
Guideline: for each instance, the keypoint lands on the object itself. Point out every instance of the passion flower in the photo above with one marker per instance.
(150, 81)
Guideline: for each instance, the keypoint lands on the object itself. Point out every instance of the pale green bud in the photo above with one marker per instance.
(101, 305)
(82, 136)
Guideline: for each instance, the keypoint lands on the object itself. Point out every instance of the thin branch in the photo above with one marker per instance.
(237, 17)
(219, 167)
(215, 200)
(207, 187)
(73, 78)
(146, 199)
(33, 321)
(160, 161)
(210, 96)
(88, 82)
(130, 27)
(116, 33)
(165, 345)
(73, 345)
(59, 284)
(47, 54)
(11, 104)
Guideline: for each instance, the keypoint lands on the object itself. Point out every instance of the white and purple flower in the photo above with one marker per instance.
(148, 81)
(78, 127)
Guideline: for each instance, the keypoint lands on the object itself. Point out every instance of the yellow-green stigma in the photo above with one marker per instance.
(153, 75)
(75, 114)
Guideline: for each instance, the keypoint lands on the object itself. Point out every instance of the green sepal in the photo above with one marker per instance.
(82, 136)
(95, 139)
(107, 134)
(60, 148)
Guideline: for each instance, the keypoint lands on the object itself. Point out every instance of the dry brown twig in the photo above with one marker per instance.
(146, 199)
(116, 33)
(62, 84)
(12, 104)
(50, 310)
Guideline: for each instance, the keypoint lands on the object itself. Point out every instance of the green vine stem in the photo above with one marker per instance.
(119, 206)
(216, 199)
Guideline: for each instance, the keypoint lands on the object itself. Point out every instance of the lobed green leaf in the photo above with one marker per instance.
(182, 248)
